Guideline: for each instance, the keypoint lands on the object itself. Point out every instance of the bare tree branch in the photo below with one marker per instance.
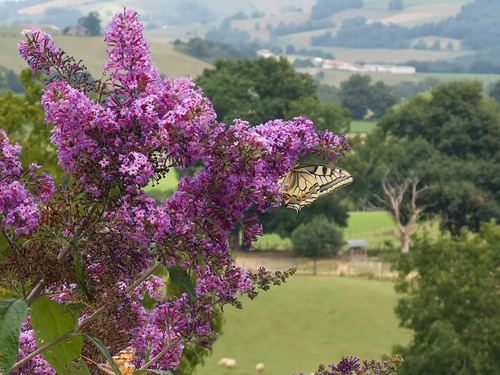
(395, 200)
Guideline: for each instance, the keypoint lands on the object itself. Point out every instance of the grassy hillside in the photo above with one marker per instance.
(308, 320)
(93, 52)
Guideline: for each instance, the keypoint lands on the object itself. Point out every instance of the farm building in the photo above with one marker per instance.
(357, 247)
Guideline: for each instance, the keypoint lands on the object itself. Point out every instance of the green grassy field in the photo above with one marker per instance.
(358, 126)
(308, 320)
(373, 227)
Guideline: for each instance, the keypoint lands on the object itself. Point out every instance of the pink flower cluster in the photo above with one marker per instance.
(145, 126)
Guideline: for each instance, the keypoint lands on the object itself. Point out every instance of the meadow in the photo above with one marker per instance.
(374, 227)
(308, 320)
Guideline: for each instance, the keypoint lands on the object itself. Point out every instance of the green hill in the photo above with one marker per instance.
(93, 52)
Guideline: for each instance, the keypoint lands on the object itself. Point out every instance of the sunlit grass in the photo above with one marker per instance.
(358, 126)
(308, 320)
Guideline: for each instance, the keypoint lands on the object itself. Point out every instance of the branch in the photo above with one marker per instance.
(28, 358)
(144, 276)
(67, 248)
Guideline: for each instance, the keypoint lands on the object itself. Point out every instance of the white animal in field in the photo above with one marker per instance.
(227, 363)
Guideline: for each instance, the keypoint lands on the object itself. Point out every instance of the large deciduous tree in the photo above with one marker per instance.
(450, 300)
(462, 125)
(359, 96)
(254, 90)
(92, 23)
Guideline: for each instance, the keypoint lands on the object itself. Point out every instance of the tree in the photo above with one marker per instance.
(449, 290)
(325, 116)
(399, 199)
(382, 98)
(355, 95)
(12, 79)
(84, 257)
(4, 86)
(420, 45)
(394, 175)
(325, 8)
(318, 238)
(254, 90)
(436, 46)
(284, 221)
(92, 23)
(407, 89)
(463, 126)
(22, 117)
(494, 92)
(396, 5)
(210, 51)
(225, 33)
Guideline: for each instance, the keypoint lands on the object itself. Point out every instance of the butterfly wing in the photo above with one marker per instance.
(304, 184)
(123, 360)
(329, 178)
(300, 188)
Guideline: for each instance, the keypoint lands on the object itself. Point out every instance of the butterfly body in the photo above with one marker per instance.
(306, 183)
(123, 360)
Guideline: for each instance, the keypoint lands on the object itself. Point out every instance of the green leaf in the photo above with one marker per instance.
(180, 278)
(79, 275)
(12, 315)
(102, 348)
(51, 320)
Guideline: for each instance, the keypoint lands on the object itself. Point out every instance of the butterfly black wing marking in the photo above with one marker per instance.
(306, 183)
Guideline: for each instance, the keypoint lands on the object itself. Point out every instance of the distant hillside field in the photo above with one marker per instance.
(40, 8)
(92, 50)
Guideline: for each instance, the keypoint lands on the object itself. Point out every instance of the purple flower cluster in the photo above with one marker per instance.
(346, 366)
(145, 126)
(38, 50)
(18, 206)
(351, 366)
(27, 345)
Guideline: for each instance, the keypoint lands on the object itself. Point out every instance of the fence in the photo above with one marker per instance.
(341, 267)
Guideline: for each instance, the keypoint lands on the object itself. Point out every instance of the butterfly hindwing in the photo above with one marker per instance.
(304, 184)
(123, 360)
